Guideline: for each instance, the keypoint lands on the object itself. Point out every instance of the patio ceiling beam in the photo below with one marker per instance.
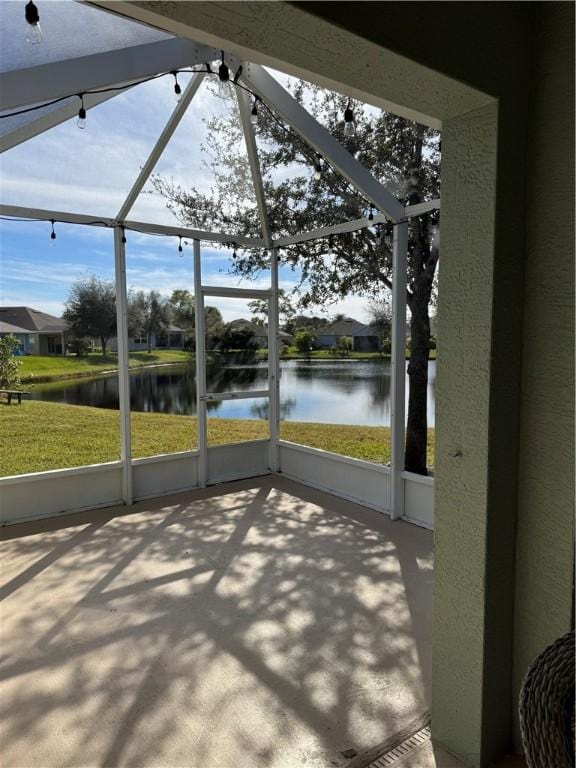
(335, 229)
(34, 85)
(41, 214)
(355, 224)
(315, 135)
(173, 122)
(419, 208)
(252, 150)
(49, 119)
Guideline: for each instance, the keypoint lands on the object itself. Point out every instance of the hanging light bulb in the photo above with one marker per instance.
(81, 122)
(254, 112)
(349, 124)
(234, 254)
(123, 239)
(180, 249)
(33, 28)
(52, 233)
(371, 214)
(318, 168)
(177, 88)
(223, 79)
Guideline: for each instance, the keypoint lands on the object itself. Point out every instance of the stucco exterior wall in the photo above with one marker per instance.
(545, 538)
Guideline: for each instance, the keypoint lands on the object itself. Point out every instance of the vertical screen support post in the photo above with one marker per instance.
(201, 417)
(123, 363)
(397, 420)
(274, 364)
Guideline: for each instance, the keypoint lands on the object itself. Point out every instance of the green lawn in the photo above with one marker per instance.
(43, 367)
(39, 436)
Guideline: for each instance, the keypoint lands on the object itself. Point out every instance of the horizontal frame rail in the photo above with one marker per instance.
(218, 396)
(246, 293)
(43, 214)
(355, 224)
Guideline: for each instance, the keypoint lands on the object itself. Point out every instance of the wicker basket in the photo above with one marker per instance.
(547, 707)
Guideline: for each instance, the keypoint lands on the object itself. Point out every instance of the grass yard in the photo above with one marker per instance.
(39, 436)
(45, 367)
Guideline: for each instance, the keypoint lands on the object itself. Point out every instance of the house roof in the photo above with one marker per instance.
(9, 328)
(260, 331)
(346, 327)
(31, 320)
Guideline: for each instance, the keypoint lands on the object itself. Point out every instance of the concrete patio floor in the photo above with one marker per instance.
(255, 624)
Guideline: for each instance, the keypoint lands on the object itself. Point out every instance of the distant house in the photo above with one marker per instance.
(260, 332)
(38, 332)
(364, 337)
(172, 338)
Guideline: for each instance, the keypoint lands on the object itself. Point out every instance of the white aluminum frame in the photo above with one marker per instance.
(123, 364)
(43, 214)
(165, 56)
(43, 121)
(34, 85)
(200, 355)
(252, 150)
(274, 364)
(173, 122)
(398, 364)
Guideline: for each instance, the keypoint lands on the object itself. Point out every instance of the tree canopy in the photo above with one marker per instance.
(90, 310)
(403, 155)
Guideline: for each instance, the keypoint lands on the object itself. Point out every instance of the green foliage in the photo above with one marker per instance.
(344, 345)
(259, 308)
(148, 314)
(237, 338)
(182, 308)
(304, 340)
(90, 310)
(9, 364)
(380, 318)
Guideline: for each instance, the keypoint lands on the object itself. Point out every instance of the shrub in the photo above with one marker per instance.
(344, 345)
(9, 365)
(304, 340)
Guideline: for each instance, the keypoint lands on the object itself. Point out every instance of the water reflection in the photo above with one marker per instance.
(334, 392)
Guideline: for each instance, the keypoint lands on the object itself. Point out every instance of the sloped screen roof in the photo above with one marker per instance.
(70, 30)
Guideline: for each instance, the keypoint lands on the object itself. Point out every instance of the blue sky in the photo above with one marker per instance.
(91, 171)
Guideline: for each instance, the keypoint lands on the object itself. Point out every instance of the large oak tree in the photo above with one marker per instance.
(403, 155)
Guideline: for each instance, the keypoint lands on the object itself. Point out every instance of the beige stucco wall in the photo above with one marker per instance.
(545, 538)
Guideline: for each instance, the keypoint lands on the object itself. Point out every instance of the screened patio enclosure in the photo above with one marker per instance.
(94, 57)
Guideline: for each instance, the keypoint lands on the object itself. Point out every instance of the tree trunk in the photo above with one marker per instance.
(417, 423)
(420, 285)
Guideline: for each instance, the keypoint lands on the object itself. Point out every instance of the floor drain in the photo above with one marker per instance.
(402, 750)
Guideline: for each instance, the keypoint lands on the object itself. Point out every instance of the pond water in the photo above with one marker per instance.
(329, 391)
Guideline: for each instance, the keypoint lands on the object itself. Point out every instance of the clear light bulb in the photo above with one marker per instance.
(349, 128)
(33, 28)
(318, 173)
(223, 88)
(254, 115)
(81, 122)
(34, 33)
(223, 80)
